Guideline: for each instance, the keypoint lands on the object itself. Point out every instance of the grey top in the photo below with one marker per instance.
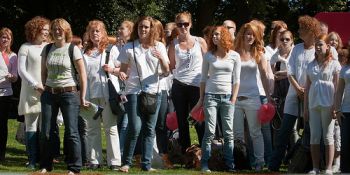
(219, 74)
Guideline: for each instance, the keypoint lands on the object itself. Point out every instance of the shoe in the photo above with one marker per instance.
(114, 167)
(70, 173)
(43, 171)
(328, 172)
(166, 162)
(231, 170)
(335, 169)
(258, 168)
(124, 168)
(30, 167)
(205, 170)
(94, 166)
(314, 171)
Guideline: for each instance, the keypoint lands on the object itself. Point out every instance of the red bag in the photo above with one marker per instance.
(198, 114)
(266, 112)
(171, 121)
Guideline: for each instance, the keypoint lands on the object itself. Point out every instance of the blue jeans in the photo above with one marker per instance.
(68, 102)
(282, 140)
(213, 104)
(122, 131)
(266, 132)
(345, 144)
(137, 123)
(161, 128)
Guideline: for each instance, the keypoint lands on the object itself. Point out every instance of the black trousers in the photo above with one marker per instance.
(185, 97)
(4, 111)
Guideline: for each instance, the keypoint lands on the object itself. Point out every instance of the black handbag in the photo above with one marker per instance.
(114, 99)
(147, 102)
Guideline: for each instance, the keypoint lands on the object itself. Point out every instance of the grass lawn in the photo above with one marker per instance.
(16, 158)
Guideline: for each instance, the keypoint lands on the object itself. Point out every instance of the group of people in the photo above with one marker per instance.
(229, 75)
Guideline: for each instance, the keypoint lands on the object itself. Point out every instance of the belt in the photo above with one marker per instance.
(240, 98)
(60, 90)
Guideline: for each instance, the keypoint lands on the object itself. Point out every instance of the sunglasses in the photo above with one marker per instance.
(285, 39)
(184, 24)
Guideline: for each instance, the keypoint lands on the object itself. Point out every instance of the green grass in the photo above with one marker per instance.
(16, 158)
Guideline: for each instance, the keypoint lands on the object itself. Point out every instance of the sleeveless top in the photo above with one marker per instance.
(249, 79)
(188, 65)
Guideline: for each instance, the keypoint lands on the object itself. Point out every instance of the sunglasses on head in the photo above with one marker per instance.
(185, 24)
(229, 27)
(285, 39)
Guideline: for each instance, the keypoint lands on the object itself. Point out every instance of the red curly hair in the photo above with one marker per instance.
(34, 26)
(225, 39)
(257, 48)
(96, 24)
(310, 24)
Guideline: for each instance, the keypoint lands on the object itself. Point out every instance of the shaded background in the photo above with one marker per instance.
(14, 13)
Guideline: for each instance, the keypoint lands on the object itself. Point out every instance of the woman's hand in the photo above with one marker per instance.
(339, 115)
(107, 68)
(198, 105)
(84, 103)
(39, 88)
(157, 54)
(11, 77)
(123, 76)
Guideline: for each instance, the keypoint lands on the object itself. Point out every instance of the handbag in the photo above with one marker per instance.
(147, 101)
(114, 99)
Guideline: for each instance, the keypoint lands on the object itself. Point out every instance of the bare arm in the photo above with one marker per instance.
(83, 80)
(171, 55)
(300, 90)
(204, 45)
(263, 74)
(122, 72)
(235, 89)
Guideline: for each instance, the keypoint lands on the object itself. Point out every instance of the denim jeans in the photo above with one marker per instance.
(185, 97)
(345, 144)
(266, 132)
(137, 123)
(214, 104)
(122, 131)
(68, 103)
(161, 128)
(248, 109)
(282, 140)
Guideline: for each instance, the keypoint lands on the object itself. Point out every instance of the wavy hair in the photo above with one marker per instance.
(65, 26)
(344, 56)
(104, 38)
(340, 42)
(160, 34)
(8, 32)
(183, 14)
(225, 39)
(257, 48)
(34, 26)
(152, 37)
(310, 24)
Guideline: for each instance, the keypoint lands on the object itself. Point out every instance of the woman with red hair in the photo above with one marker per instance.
(97, 92)
(29, 68)
(322, 78)
(249, 44)
(218, 91)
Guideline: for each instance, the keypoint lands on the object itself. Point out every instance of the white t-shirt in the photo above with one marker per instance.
(60, 71)
(96, 77)
(220, 74)
(345, 74)
(148, 67)
(188, 65)
(322, 90)
(297, 64)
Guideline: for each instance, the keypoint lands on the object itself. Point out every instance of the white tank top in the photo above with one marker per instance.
(188, 65)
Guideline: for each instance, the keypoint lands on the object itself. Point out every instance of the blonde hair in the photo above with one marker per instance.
(257, 48)
(65, 26)
(340, 42)
(183, 14)
(104, 38)
(8, 32)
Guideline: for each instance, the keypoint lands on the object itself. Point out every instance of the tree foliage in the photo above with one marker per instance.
(14, 13)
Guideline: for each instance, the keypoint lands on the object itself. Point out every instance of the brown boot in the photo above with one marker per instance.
(166, 162)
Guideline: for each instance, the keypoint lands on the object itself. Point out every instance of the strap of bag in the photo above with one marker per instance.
(138, 73)
(108, 51)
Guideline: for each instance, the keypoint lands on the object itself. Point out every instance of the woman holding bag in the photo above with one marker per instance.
(97, 93)
(146, 59)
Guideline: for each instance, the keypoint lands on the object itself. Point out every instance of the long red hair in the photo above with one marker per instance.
(225, 39)
(104, 38)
